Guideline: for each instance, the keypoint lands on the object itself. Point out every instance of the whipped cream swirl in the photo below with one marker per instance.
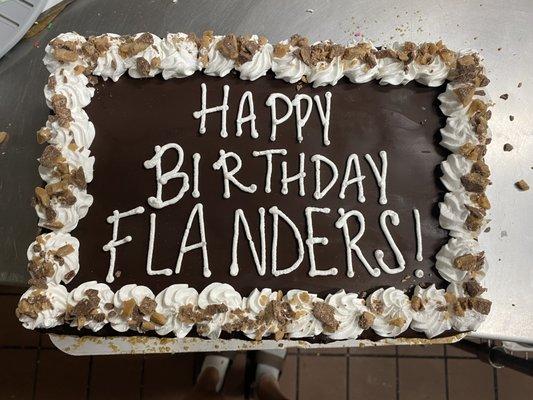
(120, 322)
(290, 67)
(457, 132)
(348, 309)
(71, 85)
(453, 214)
(216, 294)
(217, 64)
(305, 324)
(80, 130)
(433, 317)
(46, 307)
(392, 310)
(453, 168)
(260, 63)
(78, 294)
(52, 63)
(75, 159)
(180, 56)
(169, 302)
(65, 268)
(110, 64)
(151, 54)
(449, 252)
(255, 305)
(471, 320)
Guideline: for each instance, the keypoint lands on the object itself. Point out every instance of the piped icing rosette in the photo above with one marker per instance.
(304, 323)
(135, 309)
(56, 160)
(42, 307)
(325, 62)
(53, 257)
(180, 56)
(261, 313)
(71, 85)
(453, 169)
(218, 304)
(433, 63)
(220, 54)
(286, 62)
(430, 311)
(80, 131)
(460, 260)
(65, 51)
(392, 311)
(175, 303)
(349, 309)
(142, 55)
(88, 306)
(467, 313)
(255, 57)
(361, 65)
(460, 215)
(109, 60)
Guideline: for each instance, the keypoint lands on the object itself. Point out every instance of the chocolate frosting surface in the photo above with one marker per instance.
(132, 116)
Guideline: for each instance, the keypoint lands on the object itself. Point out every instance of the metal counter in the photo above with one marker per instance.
(501, 30)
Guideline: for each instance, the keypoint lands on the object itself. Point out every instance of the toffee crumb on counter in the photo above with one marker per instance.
(522, 185)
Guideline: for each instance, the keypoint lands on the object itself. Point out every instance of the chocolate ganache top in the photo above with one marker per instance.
(132, 116)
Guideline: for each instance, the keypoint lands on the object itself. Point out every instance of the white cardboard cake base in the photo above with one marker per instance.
(91, 345)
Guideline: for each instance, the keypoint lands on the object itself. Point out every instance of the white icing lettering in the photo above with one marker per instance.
(113, 243)
(395, 219)
(346, 181)
(351, 244)
(319, 159)
(162, 179)
(271, 102)
(268, 154)
(229, 175)
(300, 176)
(196, 171)
(204, 111)
(312, 240)
(381, 177)
(151, 239)
(324, 116)
(184, 248)
(247, 96)
(276, 213)
(416, 215)
(259, 264)
(301, 120)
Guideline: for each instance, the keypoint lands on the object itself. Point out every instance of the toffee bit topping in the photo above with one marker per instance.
(465, 94)
(480, 305)
(143, 66)
(522, 185)
(65, 55)
(481, 200)
(385, 53)
(473, 288)
(43, 135)
(366, 320)
(280, 50)
(50, 157)
(324, 52)
(279, 312)
(361, 52)
(474, 182)
(64, 251)
(416, 303)
(325, 313)
(481, 168)
(228, 46)
(398, 322)
(78, 178)
(62, 112)
(41, 197)
(130, 47)
(127, 308)
(472, 152)
(376, 306)
(33, 305)
(247, 50)
(155, 62)
(470, 262)
(186, 314)
(298, 41)
(158, 319)
(147, 306)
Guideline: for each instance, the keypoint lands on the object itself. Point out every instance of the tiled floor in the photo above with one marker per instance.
(31, 368)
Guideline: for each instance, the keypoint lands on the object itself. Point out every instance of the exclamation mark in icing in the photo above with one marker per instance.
(416, 215)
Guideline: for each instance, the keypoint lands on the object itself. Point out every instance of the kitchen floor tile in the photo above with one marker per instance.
(372, 378)
(74, 373)
(422, 379)
(513, 385)
(468, 379)
(322, 378)
(115, 377)
(17, 373)
(12, 333)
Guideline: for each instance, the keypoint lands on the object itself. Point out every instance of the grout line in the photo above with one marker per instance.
(298, 354)
(495, 383)
(387, 356)
(446, 381)
(347, 374)
(89, 376)
(397, 375)
(36, 368)
(141, 386)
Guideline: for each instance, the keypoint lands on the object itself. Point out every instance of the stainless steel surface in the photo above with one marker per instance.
(16, 17)
(501, 30)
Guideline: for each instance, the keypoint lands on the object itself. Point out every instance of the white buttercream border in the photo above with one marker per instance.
(177, 58)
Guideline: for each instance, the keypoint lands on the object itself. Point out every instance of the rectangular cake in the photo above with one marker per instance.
(256, 190)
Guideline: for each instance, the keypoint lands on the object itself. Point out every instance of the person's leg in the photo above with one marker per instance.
(269, 366)
(220, 362)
